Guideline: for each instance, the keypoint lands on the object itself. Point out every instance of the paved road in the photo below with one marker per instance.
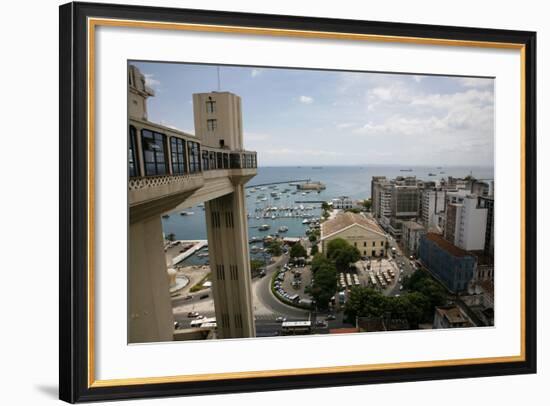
(407, 267)
(264, 300)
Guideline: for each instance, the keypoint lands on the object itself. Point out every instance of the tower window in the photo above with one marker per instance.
(211, 124)
(210, 106)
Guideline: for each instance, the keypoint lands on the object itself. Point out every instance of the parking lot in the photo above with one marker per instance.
(292, 282)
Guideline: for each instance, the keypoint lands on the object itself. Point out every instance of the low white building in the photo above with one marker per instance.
(342, 202)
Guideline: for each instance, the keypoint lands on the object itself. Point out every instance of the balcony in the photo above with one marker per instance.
(154, 195)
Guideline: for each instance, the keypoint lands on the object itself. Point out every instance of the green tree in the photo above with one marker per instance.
(334, 245)
(367, 203)
(274, 247)
(298, 251)
(346, 256)
(255, 265)
(324, 285)
(353, 210)
(318, 261)
(171, 237)
(365, 302)
(325, 206)
(314, 249)
(312, 237)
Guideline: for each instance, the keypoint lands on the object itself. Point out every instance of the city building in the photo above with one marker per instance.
(451, 265)
(342, 202)
(465, 222)
(451, 316)
(433, 207)
(395, 200)
(172, 170)
(381, 195)
(488, 203)
(412, 231)
(358, 230)
(481, 187)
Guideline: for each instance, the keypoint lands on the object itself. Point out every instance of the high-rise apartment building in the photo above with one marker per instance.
(466, 222)
(433, 207)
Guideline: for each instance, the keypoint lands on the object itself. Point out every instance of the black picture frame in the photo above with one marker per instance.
(74, 200)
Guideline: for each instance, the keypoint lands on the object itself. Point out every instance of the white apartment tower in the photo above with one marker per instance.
(466, 222)
(433, 206)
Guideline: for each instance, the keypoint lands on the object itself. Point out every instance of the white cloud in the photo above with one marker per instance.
(306, 99)
(343, 126)
(151, 81)
(256, 137)
(476, 82)
(255, 72)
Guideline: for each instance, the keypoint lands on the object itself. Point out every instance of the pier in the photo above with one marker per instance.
(277, 183)
(199, 244)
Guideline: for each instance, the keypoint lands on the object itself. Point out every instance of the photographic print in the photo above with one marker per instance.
(271, 202)
(262, 202)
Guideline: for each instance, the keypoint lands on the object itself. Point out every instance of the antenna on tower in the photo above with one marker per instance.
(219, 84)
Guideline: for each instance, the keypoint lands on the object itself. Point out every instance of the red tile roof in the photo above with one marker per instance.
(446, 245)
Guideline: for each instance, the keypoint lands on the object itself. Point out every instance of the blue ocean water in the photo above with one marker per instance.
(352, 181)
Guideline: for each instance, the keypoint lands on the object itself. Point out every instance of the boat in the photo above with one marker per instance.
(264, 227)
(431, 174)
(186, 213)
(165, 216)
(273, 217)
(306, 221)
(283, 229)
(406, 170)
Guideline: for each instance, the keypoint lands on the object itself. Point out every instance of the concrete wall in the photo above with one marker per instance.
(228, 116)
(150, 317)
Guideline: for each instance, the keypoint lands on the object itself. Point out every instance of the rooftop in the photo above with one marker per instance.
(452, 313)
(346, 219)
(413, 225)
(446, 245)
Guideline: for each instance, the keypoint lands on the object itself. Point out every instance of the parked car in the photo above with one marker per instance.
(188, 297)
(280, 319)
(201, 297)
(193, 314)
(331, 317)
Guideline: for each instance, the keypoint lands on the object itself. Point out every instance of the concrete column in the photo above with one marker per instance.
(230, 264)
(150, 317)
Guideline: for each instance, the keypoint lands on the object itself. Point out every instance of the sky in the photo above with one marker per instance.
(312, 117)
